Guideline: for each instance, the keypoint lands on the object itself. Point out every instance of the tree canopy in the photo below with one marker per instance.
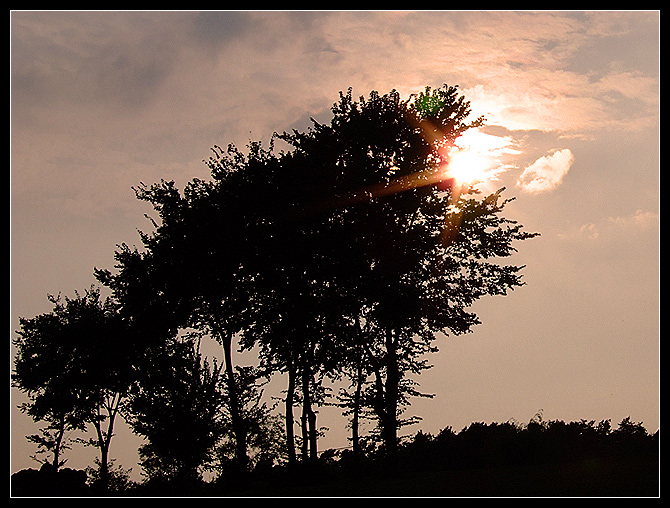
(76, 366)
(343, 255)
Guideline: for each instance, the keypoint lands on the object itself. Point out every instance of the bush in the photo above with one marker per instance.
(48, 482)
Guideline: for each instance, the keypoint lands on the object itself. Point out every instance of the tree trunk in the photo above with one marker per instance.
(290, 394)
(103, 446)
(355, 439)
(239, 429)
(390, 430)
(104, 467)
(313, 452)
(304, 444)
(308, 420)
(58, 443)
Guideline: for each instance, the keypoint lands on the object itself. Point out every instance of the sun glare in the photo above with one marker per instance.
(474, 158)
(467, 167)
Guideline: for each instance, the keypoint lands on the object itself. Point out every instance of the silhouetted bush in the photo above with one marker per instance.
(483, 445)
(539, 458)
(65, 482)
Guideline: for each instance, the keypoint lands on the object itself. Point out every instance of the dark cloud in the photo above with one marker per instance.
(619, 47)
(88, 58)
(216, 28)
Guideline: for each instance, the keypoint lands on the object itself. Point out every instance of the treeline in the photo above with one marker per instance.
(540, 458)
(628, 454)
(341, 259)
(482, 445)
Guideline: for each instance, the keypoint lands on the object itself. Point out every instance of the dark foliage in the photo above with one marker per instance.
(507, 444)
(343, 259)
(552, 458)
(49, 482)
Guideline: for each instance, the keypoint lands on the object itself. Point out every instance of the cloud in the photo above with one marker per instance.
(154, 89)
(640, 220)
(219, 27)
(589, 230)
(547, 172)
(92, 61)
(544, 81)
(626, 226)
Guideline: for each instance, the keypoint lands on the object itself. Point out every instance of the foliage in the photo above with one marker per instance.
(539, 442)
(115, 480)
(51, 439)
(345, 256)
(176, 405)
(398, 254)
(75, 366)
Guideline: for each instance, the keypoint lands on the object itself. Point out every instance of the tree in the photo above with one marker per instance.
(176, 405)
(352, 242)
(295, 336)
(352, 399)
(191, 266)
(36, 367)
(266, 446)
(51, 439)
(409, 251)
(222, 254)
(75, 364)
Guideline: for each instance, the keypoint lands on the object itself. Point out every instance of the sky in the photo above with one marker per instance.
(102, 100)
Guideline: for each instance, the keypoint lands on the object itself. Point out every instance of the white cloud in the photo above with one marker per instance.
(547, 172)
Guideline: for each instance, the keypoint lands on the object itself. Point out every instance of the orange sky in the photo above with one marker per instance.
(103, 100)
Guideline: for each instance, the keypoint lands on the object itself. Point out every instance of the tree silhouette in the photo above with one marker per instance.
(52, 439)
(350, 248)
(343, 259)
(265, 440)
(76, 366)
(351, 227)
(37, 368)
(294, 327)
(176, 405)
(406, 253)
(192, 266)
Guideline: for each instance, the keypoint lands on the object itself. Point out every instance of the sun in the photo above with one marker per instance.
(474, 159)
(467, 167)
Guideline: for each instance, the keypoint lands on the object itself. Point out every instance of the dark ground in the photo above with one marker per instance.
(591, 477)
